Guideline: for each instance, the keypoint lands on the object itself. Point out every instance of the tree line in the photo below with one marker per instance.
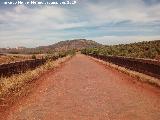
(149, 49)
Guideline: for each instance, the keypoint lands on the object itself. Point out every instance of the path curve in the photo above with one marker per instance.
(85, 90)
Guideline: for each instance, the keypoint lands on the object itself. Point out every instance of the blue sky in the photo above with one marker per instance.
(105, 21)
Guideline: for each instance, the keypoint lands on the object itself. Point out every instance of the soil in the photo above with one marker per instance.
(82, 89)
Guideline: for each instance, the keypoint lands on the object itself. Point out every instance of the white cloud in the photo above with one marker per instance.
(40, 18)
(21, 23)
(132, 10)
(114, 40)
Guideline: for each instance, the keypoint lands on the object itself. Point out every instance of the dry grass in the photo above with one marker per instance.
(13, 58)
(16, 57)
(140, 76)
(15, 84)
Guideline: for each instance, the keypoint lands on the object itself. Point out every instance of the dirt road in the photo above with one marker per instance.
(85, 90)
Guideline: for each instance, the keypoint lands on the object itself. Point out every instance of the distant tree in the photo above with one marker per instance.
(33, 56)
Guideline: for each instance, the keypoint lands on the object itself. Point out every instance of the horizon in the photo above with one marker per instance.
(77, 39)
(106, 22)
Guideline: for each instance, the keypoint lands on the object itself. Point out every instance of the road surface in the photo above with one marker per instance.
(83, 89)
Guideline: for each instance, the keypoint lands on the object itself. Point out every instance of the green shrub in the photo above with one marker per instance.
(149, 49)
(33, 56)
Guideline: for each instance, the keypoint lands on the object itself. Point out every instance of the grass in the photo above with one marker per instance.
(17, 85)
(139, 76)
(8, 58)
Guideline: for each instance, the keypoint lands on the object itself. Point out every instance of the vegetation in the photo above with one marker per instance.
(12, 58)
(33, 56)
(149, 49)
(67, 45)
(20, 84)
(7, 58)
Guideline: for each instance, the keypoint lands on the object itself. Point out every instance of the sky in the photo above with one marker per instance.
(105, 21)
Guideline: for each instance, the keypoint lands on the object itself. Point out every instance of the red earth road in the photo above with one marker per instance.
(83, 89)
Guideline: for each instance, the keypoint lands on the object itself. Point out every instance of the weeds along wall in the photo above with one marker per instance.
(146, 66)
(9, 69)
(22, 66)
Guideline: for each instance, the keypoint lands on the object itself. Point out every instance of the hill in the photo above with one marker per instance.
(147, 49)
(76, 44)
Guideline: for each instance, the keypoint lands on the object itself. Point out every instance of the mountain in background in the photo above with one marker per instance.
(76, 44)
(146, 49)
